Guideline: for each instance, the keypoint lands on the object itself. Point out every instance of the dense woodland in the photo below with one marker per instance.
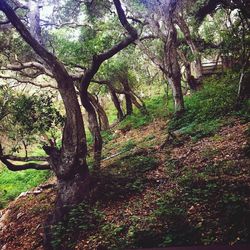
(124, 124)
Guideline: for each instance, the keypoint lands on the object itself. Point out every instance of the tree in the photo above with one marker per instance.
(160, 19)
(69, 162)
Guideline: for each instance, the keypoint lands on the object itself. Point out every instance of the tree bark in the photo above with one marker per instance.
(68, 163)
(117, 104)
(128, 99)
(173, 69)
(103, 121)
(197, 57)
(94, 128)
(192, 82)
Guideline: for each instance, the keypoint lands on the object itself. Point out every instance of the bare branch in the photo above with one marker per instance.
(26, 159)
(27, 81)
(14, 167)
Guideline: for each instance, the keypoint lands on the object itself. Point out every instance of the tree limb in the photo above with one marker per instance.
(26, 159)
(99, 59)
(14, 167)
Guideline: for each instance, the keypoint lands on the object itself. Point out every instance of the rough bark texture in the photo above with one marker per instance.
(68, 163)
(94, 128)
(173, 69)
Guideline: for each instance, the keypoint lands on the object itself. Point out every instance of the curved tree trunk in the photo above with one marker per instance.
(142, 108)
(103, 121)
(117, 104)
(173, 69)
(94, 128)
(192, 82)
(69, 162)
(129, 104)
(197, 61)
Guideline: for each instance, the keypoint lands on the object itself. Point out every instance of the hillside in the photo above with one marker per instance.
(189, 193)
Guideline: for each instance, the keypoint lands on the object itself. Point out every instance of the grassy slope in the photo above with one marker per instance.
(14, 183)
(195, 191)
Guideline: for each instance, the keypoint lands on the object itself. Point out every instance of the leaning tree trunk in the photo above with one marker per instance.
(117, 104)
(196, 53)
(192, 82)
(142, 108)
(103, 121)
(244, 87)
(94, 128)
(129, 104)
(173, 72)
(68, 163)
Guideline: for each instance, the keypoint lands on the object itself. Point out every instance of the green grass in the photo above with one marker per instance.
(157, 107)
(210, 108)
(14, 183)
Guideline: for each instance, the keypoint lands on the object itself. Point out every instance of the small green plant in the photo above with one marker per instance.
(129, 145)
(81, 219)
(209, 152)
(208, 109)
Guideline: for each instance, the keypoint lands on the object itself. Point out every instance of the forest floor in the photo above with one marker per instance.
(191, 192)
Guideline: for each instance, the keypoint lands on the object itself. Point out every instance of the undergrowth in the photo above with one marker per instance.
(14, 183)
(210, 108)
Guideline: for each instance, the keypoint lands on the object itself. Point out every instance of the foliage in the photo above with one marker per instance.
(80, 219)
(208, 108)
(157, 107)
(124, 177)
(36, 113)
(28, 118)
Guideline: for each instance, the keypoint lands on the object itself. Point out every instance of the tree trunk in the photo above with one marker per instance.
(104, 122)
(244, 87)
(34, 20)
(117, 104)
(25, 148)
(94, 128)
(129, 104)
(142, 108)
(197, 61)
(173, 72)
(68, 163)
(192, 82)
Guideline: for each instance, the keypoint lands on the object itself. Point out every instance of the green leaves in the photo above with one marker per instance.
(36, 114)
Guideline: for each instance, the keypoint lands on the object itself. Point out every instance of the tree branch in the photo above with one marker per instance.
(26, 159)
(27, 81)
(14, 167)
(99, 59)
